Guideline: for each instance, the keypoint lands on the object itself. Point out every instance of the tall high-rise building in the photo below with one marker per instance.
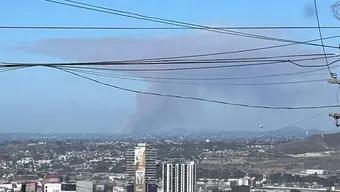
(141, 168)
(179, 177)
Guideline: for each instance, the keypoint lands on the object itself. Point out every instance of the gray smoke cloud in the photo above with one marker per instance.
(159, 115)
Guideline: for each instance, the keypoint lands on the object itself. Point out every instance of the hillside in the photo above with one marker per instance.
(314, 143)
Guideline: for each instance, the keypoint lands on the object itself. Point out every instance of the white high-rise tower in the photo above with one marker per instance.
(179, 177)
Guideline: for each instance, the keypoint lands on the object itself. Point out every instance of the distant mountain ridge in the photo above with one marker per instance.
(293, 131)
(314, 143)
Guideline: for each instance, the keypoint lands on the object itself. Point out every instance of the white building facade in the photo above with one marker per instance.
(179, 177)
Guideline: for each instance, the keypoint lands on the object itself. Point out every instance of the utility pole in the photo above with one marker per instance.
(336, 116)
(334, 80)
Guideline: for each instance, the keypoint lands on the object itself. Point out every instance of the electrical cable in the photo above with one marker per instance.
(186, 61)
(223, 78)
(196, 98)
(170, 69)
(232, 52)
(39, 27)
(194, 84)
(299, 121)
(184, 68)
(83, 65)
(260, 58)
(216, 78)
(173, 22)
(10, 69)
(157, 19)
(320, 34)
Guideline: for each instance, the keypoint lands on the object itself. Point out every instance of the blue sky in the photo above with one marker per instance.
(45, 100)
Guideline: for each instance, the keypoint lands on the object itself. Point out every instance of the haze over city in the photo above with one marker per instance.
(169, 96)
(40, 99)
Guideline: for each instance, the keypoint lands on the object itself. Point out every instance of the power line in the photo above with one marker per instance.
(320, 34)
(182, 68)
(83, 65)
(218, 78)
(10, 69)
(40, 27)
(193, 84)
(196, 98)
(299, 121)
(114, 63)
(234, 59)
(173, 22)
(185, 23)
(235, 51)
(215, 78)
(169, 69)
(231, 52)
(181, 62)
